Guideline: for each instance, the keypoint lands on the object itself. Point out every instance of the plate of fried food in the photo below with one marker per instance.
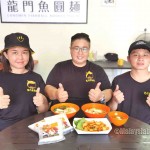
(92, 125)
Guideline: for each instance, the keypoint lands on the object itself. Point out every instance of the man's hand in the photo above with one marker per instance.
(96, 94)
(118, 96)
(62, 95)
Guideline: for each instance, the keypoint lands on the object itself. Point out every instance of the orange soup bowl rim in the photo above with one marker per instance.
(70, 115)
(95, 105)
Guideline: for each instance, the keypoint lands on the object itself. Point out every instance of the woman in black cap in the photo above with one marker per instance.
(21, 89)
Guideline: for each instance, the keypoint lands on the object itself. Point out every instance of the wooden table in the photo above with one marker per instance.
(136, 136)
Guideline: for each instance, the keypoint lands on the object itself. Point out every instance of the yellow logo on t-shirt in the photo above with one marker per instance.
(146, 93)
(89, 77)
(31, 86)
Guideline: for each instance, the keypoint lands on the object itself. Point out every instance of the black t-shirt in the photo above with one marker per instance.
(135, 95)
(21, 88)
(78, 81)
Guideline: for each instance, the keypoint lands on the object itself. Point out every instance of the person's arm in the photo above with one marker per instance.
(117, 98)
(107, 94)
(105, 87)
(44, 106)
(96, 94)
(148, 100)
(54, 93)
(40, 101)
(113, 104)
(4, 99)
(51, 92)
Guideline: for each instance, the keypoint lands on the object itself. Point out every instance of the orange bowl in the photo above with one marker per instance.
(91, 110)
(118, 118)
(63, 106)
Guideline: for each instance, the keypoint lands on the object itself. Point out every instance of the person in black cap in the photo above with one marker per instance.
(21, 89)
(131, 90)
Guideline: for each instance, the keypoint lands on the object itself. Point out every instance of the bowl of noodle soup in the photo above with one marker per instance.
(69, 109)
(95, 110)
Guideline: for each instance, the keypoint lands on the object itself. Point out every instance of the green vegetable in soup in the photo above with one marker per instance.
(63, 107)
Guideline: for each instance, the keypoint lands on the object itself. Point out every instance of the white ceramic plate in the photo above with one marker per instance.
(104, 120)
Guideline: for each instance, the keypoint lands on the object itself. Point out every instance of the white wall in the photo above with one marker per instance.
(111, 29)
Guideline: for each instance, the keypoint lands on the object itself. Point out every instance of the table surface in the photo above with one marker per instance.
(20, 137)
(112, 64)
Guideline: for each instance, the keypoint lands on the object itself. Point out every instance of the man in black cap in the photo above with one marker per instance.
(131, 90)
(21, 89)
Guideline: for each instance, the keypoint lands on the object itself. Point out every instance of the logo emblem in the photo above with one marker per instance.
(141, 43)
(89, 77)
(20, 38)
(146, 93)
(31, 86)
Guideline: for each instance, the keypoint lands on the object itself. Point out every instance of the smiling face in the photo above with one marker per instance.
(139, 59)
(18, 58)
(79, 52)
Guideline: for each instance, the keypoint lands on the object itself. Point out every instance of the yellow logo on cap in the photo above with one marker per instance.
(20, 38)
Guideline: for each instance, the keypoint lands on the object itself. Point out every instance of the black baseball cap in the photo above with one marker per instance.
(141, 44)
(17, 39)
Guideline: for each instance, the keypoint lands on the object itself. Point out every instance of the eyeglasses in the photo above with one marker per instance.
(83, 49)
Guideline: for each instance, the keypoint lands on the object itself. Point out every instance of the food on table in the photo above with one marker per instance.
(79, 123)
(65, 123)
(64, 109)
(69, 109)
(90, 126)
(51, 129)
(47, 122)
(95, 111)
(37, 124)
(118, 117)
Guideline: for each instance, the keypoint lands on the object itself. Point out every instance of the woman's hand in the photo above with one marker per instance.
(4, 99)
(148, 100)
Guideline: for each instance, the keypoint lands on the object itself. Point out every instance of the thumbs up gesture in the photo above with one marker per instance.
(118, 96)
(38, 99)
(95, 94)
(4, 100)
(62, 95)
(148, 100)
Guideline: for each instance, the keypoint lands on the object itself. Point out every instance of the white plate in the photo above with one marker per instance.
(104, 120)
